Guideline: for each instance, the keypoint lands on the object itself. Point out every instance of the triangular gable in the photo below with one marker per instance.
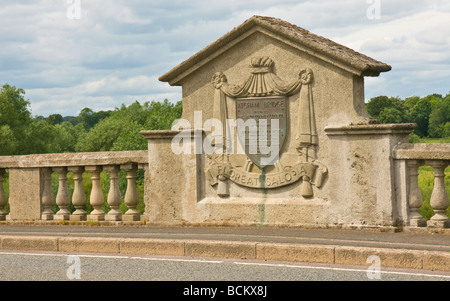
(317, 46)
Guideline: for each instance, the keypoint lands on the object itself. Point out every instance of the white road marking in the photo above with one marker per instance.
(220, 262)
(340, 269)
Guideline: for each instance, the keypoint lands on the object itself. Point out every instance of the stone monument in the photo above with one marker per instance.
(274, 132)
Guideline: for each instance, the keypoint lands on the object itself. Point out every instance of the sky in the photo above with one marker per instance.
(72, 54)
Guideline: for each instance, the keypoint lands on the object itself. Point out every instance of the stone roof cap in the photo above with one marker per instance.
(319, 46)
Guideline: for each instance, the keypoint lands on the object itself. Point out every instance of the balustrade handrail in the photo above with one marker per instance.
(422, 151)
(74, 159)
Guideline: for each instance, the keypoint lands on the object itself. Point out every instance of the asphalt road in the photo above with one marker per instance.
(42, 266)
(414, 241)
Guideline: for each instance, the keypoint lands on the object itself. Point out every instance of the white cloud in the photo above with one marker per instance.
(116, 51)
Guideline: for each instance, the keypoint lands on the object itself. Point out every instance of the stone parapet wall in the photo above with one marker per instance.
(30, 186)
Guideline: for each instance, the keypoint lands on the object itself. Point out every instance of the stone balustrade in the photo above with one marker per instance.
(31, 196)
(410, 157)
(30, 186)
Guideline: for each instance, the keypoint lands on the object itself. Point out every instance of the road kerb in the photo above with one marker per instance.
(295, 252)
(394, 258)
(307, 253)
(29, 243)
(152, 246)
(89, 244)
(224, 249)
(437, 261)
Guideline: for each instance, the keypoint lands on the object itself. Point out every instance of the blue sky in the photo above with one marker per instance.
(71, 54)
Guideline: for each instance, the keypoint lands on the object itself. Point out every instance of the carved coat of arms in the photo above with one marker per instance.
(261, 121)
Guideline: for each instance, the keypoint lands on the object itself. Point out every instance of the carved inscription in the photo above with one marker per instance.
(254, 180)
(256, 131)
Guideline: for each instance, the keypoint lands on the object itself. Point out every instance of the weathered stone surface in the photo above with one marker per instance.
(26, 187)
(422, 151)
(152, 247)
(73, 159)
(29, 243)
(89, 244)
(335, 165)
(296, 253)
(437, 261)
(394, 258)
(244, 250)
(306, 41)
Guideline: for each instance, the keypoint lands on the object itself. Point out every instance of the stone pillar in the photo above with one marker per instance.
(96, 199)
(114, 197)
(131, 195)
(173, 189)
(47, 198)
(439, 198)
(62, 197)
(3, 199)
(25, 190)
(79, 196)
(147, 183)
(414, 195)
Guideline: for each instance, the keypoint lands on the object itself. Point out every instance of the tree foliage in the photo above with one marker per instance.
(431, 113)
(118, 129)
(15, 120)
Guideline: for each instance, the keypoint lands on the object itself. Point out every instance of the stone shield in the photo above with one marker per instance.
(261, 127)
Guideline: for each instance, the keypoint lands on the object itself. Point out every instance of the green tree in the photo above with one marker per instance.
(163, 114)
(40, 136)
(440, 115)
(54, 119)
(420, 114)
(387, 109)
(120, 131)
(130, 139)
(15, 119)
(446, 130)
(376, 105)
(8, 142)
(391, 115)
(102, 136)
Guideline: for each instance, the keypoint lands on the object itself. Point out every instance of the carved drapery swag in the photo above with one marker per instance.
(263, 82)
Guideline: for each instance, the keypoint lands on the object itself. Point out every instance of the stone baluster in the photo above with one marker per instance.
(3, 199)
(439, 198)
(79, 196)
(114, 197)
(96, 199)
(47, 197)
(131, 195)
(62, 197)
(415, 196)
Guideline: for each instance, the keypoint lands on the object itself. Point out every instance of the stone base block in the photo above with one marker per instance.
(96, 218)
(131, 217)
(113, 217)
(78, 218)
(438, 223)
(47, 217)
(418, 223)
(61, 217)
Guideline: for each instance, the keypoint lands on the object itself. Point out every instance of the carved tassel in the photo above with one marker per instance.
(222, 188)
(306, 187)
